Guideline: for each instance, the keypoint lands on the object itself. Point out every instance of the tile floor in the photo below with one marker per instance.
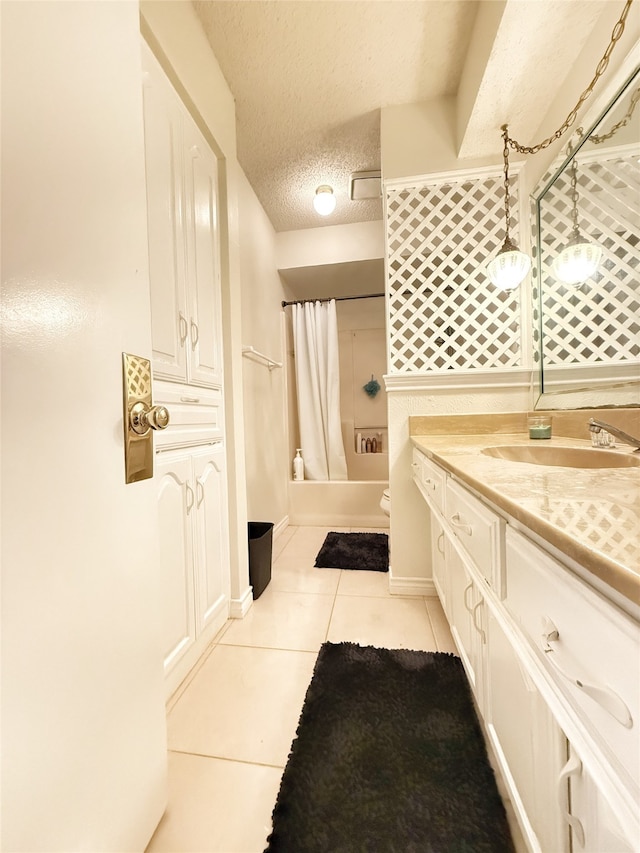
(232, 721)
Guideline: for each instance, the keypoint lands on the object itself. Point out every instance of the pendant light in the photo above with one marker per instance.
(509, 267)
(579, 259)
(324, 200)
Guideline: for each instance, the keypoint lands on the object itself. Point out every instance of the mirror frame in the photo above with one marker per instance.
(580, 397)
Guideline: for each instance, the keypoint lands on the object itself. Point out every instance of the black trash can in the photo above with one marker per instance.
(260, 545)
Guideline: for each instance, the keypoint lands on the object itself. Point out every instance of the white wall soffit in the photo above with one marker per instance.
(526, 66)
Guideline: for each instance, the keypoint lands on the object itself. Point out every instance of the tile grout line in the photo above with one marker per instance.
(226, 758)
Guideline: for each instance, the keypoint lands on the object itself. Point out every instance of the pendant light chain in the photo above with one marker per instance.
(624, 121)
(505, 159)
(574, 196)
(616, 34)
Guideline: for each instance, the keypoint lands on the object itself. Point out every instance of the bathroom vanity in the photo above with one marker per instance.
(537, 567)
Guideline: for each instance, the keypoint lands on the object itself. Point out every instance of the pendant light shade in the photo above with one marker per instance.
(509, 267)
(324, 200)
(577, 261)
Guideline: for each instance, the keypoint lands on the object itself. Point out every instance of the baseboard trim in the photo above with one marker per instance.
(281, 526)
(338, 520)
(239, 607)
(411, 586)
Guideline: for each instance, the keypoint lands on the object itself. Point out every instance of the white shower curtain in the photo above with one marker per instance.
(315, 344)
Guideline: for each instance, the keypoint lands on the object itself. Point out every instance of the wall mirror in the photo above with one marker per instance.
(586, 299)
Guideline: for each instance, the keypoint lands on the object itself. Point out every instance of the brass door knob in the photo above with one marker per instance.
(143, 418)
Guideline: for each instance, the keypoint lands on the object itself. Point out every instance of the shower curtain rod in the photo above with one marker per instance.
(337, 298)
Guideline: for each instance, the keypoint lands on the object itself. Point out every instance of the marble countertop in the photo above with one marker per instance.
(590, 515)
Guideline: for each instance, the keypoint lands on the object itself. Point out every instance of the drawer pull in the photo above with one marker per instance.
(195, 334)
(603, 696)
(573, 767)
(189, 399)
(199, 492)
(459, 524)
(440, 543)
(431, 483)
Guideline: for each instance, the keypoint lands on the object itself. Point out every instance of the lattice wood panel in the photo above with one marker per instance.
(598, 321)
(444, 313)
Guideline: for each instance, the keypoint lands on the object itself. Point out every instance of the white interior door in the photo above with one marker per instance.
(83, 718)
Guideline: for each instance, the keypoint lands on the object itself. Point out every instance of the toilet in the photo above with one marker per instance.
(385, 503)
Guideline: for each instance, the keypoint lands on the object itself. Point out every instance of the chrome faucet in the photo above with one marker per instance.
(596, 426)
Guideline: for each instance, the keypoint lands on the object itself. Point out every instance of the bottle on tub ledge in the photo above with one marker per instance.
(298, 466)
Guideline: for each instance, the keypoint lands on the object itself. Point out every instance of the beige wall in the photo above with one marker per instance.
(266, 448)
(363, 352)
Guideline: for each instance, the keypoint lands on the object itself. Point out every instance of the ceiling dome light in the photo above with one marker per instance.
(577, 261)
(324, 200)
(509, 267)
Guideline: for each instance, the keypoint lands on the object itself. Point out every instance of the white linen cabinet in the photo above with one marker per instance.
(186, 330)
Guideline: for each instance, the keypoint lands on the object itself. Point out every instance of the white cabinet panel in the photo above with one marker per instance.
(163, 160)
(589, 656)
(203, 255)
(594, 826)
(529, 744)
(184, 241)
(175, 504)
(479, 532)
(467, 614)
(192, 501)
(439, 563)
(212, 559)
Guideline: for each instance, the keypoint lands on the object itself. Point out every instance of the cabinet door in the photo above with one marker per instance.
(165, 212)
(176, 502)
(212, 545)
(203, 260)
(594, 826)
(530, 746)
(438, 563)
(467, 613)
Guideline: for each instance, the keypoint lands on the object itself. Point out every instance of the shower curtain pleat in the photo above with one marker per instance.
(315, 343)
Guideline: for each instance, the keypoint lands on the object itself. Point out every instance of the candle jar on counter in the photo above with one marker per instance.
(539, 426)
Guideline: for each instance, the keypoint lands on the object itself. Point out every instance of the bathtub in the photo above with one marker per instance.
(337, 503)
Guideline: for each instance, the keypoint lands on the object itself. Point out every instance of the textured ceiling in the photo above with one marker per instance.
(309, 78)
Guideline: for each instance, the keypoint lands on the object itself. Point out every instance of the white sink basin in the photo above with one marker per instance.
(564, 457)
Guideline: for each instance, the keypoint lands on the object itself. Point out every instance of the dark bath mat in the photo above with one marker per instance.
(388, 758)
(369, 551)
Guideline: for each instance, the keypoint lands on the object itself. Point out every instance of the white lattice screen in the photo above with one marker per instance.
(444, 313)
(597, 322)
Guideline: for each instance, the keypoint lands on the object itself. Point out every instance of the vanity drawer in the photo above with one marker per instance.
(479, 532)
(430, 479)
(197, 414)
(589, 648)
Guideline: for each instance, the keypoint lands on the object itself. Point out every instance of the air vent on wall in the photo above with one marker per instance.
(364, 185)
